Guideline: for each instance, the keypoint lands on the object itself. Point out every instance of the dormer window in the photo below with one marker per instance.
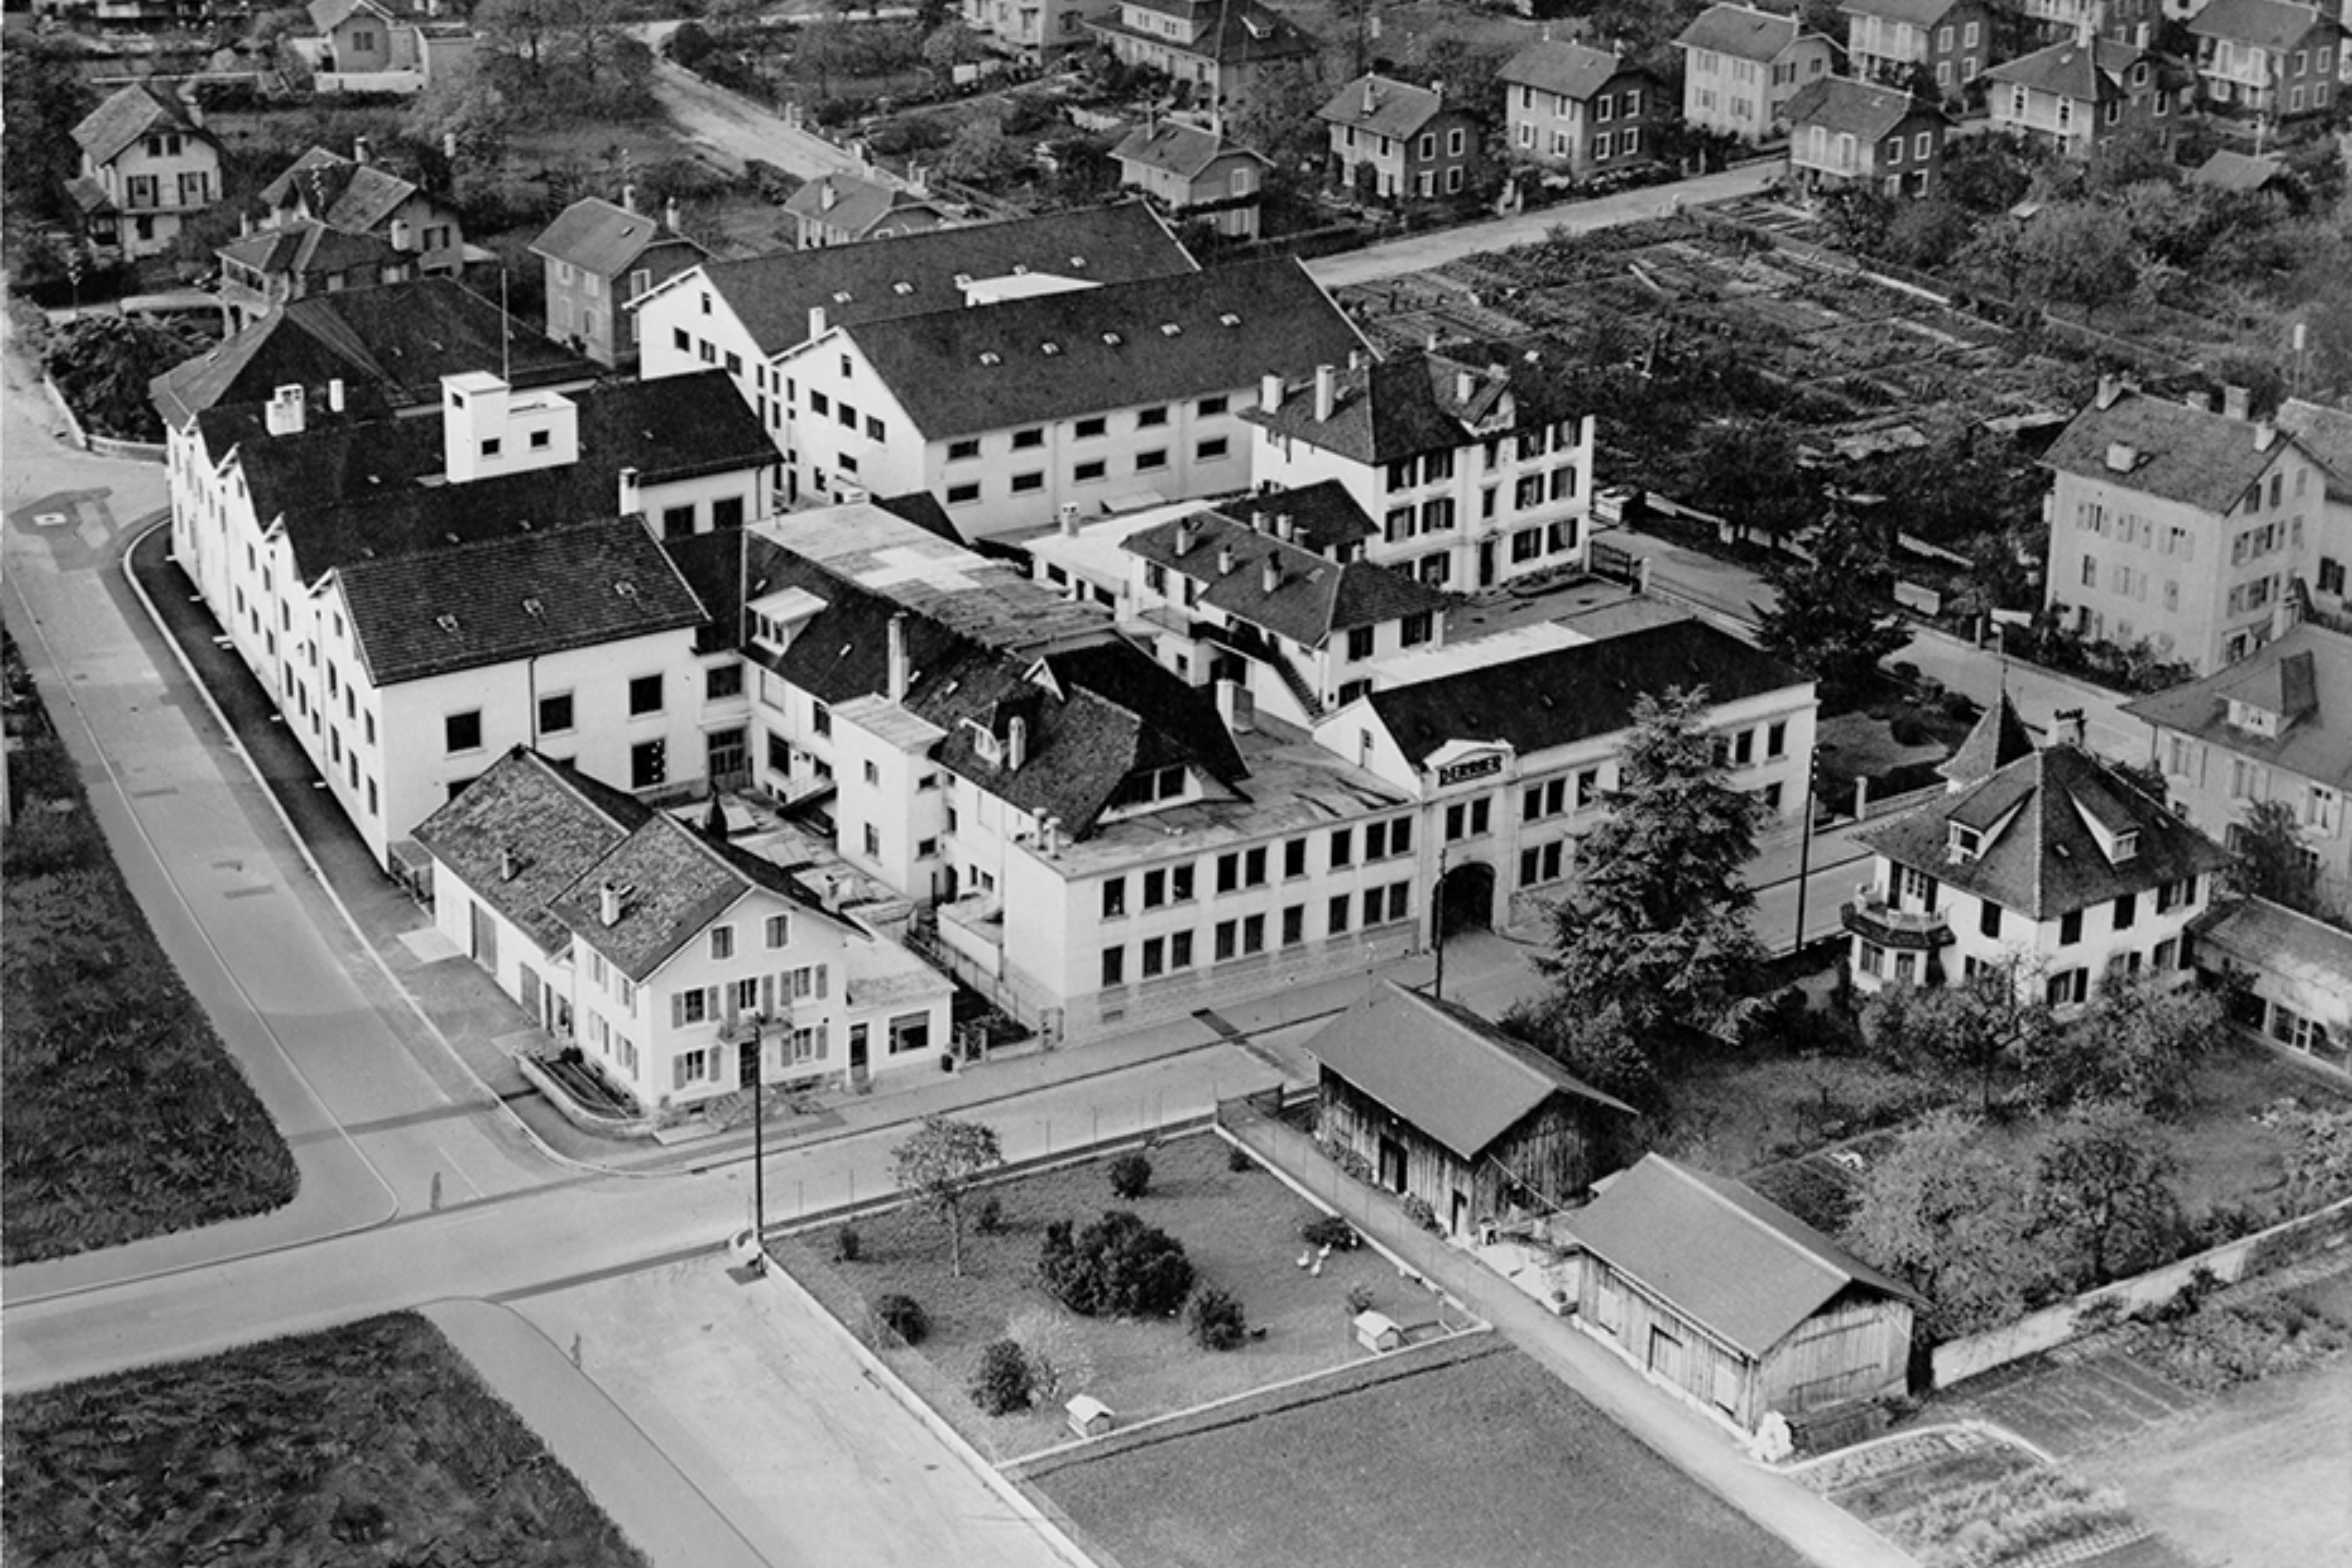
(1966, 843)
(2127, 847)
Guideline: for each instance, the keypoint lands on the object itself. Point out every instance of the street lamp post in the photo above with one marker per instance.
(1804, 851)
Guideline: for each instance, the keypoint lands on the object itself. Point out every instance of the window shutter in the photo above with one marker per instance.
(678, 1011)
(820, 1037)
(767, 994)
(710, 1001)
(678, 1072)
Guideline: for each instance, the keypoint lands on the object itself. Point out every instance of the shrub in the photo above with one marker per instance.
(1131, 1176)
(1218, 1323)
(1417, 1209)
(1239, 1160)
(1003, 1383)
(1060, 1360)
(846, 1245)
(1120, 1266)
(991, 1218)
(1359, 1300)
(1350, 1163)
(902, 1318)
(1329, 1230)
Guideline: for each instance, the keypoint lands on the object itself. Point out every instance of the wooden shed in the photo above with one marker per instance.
(1731, 1300)
(1446, 1107)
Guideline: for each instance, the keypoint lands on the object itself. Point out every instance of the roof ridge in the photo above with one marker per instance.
(1706, 1183)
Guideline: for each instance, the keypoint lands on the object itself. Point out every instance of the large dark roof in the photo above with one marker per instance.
(1740, 31)
(525, 830)
(1324, 516)
(1569, 694)
(338, 191)
(497, 600)
(2273, 25)
(1229, 32)
(129, 113)
(2166, 448)
(2069, 71)
(2038, 856)
(1047, 357)
(305, 248)
(859, 206)
(2304, 677)
(909, 274)
(1184, 150)
(598, 237)
(1381, 106)
(1403, 408)
(1313, 597)
(1998, 738)
(1572, 71)
(1861, 110)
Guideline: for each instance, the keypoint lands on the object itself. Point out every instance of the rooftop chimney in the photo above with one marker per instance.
(401, 234)
(1257, 521)
(628, 198)
(1281, 525)
(631, 501)
(1225, 560)
(1326, 391)
(1269, 391)
(2066, 727)
(1067, 516)
(2237, 401)
(1184, 537)
(608, 904)
(816, 323)
(359, 154)
(898, 671)
(1270, 575)
(510, 863)
(2110, 388)
(828, 195)
(1016, 744)
(2265, 434)
(1371, 98)
(1358, 358)
(335, 394)
(284, 414)
(2122, 456)
(669, 216)
(1465, 387)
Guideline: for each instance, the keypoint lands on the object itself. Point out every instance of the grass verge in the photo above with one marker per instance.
(373, 1442)
(123, 1116)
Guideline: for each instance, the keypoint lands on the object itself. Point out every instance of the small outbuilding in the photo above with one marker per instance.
(1732, 1301)
(1446, 1107)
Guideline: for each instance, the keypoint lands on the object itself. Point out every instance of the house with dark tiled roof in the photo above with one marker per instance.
(1193, 174)
(382, 46)
(1473, 463)
(1401, 142)
(1037, 30)
(2270, 59)
(2053, 869)
(2074, 95)
(1580, 109)
(147, 166)
(1844, 133)
(2324, 572)
(1121, 396)
(1907, 43)
(683, 968)
(1731, 1303)
(2179, 525)
(599, 258)
(1221, 54)
(848, 209)
(1742, 64)
(414, 232)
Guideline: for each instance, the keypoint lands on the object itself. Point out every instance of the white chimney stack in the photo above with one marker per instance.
(1016, 744)
(816, 323)
(359, 154)
(1465, 387)
(2265, 434)
(2237, 401)
(827, 194)
(669, 216)
(284, 414)
(900, 674)
(1184, 537)
(1269, 393)
(631, 501)
(1270, 576)
(608, 904)
(628, 198)
(1224, 561)
(401, 234)
(335, 394)
(1326, 391)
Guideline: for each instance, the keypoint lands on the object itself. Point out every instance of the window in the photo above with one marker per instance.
(779, 931)
(1149, 418)
(463, 731)
(1022, 484)
(1339, 915)
(1024, 439)
(1114, 966)
(2067, 987)
(723, 943)
(1145, 462)
(963, 494)
(1155, 957)
(648, 765)
(872, 840)
(1294, 858)
(645, 695)
(1214, 448)
(2070, 928)
(1988, 919)
(721, 681)
(2126, 910)
(1415, 629)
(963, 451)
(1293, 925)
(1214, 405)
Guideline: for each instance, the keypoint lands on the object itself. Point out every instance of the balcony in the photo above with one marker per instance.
(1875, 920)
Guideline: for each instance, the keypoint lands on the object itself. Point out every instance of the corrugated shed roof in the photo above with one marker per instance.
(1450, 1074)
(1740, 31)
(600, 236)
(2318, 744)
(2205, 459)
(1745, 1270)
(2230, 169)
(1572, 71)
(2312, 956)
(539, 819)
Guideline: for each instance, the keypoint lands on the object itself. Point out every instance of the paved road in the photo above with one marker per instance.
(737, 128)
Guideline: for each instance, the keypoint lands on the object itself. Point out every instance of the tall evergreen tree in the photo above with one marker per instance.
(1835, 618)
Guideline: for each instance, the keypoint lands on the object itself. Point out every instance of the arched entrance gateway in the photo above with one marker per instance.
(1465, 900)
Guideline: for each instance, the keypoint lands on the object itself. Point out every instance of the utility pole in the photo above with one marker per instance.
(1804, 855)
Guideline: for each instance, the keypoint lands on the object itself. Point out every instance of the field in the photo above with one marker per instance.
(1240, 1229)
(1487, 1461)
(373, 1443)
(124, 1114)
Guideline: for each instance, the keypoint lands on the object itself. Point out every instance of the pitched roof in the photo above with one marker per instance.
(2071, 71)
(1450, 1073)
(2326, 434)
(1242, 33)
(128, 114)
(1858, 109)
(1740, 31)
(2306, 675)
(1324, 516)
(525, 830)
(305, 248)
(2230, 170)
(599, 237)
(327, 15)
(1182, 150)
(1313, 597)
(1564, 695)
(2205, 459)
(1381, 106)
(2038, 856)
(338, 191)
(2313, 955)
(1998, 739)
(1919, 13)
(857, 206)
(497, 600)
(1572, 71)
(906, 275)
(2275, 25)
(1719, 1253)
(1402, 408)
(1037, 359)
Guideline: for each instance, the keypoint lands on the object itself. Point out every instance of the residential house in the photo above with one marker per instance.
(415, 233)
(2289, 977)
(1741, 65)
(1732, 1303)
(1476, 469)
(848, 209)
(1037, 30)
(1195, 174)
(2131, 22)
(148, 167)
(683, 967)
(746, 315)
(1844, 132)
(261, 270)
(2325, 432)
(2276, 726)
(1222, 54)
(1578, 110)
(2268, 58)
(2053, 868)
(2073, 96)
(382, 46)
(1399, 142)
(2238, 173)
(1442, 1105)
(1119, 395)
(599, 257)
(1906, 44)
(1089, 561)
(2177, 525)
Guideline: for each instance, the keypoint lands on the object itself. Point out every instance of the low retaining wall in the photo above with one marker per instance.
(579, 1115)
(104, 446)
(2243, 1259)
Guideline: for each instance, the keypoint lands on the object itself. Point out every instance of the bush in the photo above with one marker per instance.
(1218, 1323)
(1239, 1160)
(1120, 1266)
(846, 1245)
(991, 1218)
(1417, 1209)
(904, 1318)
(1003, 1383)
(1359, 1300)
(1131, 1176)
(1329, 1230)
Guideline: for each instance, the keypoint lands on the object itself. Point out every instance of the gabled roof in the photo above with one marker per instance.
(858, 205)
(1861, 110)
(599, 237)
(495, 601)
(525, 830)
(2326, 434)
(2273, 25)
(1313, 597)
(1569, 694)
(1229, 32)
(2071, 71)
(1919, 13)
(1720, 1254)
(1422, 402)
(305, 248)
(2205, 459)
(907, 275)
(326, 15)
(2306, 675)
(1184, 150)
(1742, 32)
(2230, 170)
(1455, 1077)
(129, 113)
(1998, 739)
(1381, 106)
(2040, 857)
(1572, 71)
(339, 191)
(1324, 516)
(1046, 357)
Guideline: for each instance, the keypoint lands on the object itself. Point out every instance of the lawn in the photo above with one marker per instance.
(1488, 1461)
(124, 1115)
(1239, 1227)
(370, 1443)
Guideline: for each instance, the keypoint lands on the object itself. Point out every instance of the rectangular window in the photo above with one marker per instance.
(1253, 934)
(645, 695)
(1024, 439)
(779, 931)
(1293, 925)
(1294, 858)
(963, 451)
(1227, 940)
(1339, 915)
(2070, 928)
(1343, 847)
(723, 943)
(1114, 966)
(648, 765)
(1155, 957)
(2126, 910)
(1150, 419)
(722, 681)
(1146, 462)
(1022, 484)
(463, 731)
(1212, 449)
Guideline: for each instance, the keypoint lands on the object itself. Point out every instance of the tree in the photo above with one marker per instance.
(981, 153)
(1954, 1218)
(1748, 472)
(47, 97)
(1835, 618)
(2080, 253)
(1658, 924)
(1002, 1384)
(2139, 1041)
(1277, 121)
(1117, 1267)
(104, 365)
(952, 45)
(1964, 1034)
(2272, 862)
(938, 1162)
(1596, 1047)
(2105, 1178)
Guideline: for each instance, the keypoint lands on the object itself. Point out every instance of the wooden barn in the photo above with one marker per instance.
(1732, 1301)
(1446, 1107)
